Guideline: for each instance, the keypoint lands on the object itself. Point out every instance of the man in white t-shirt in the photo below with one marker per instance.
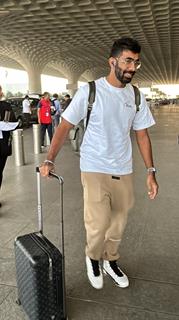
(106, 158)
(26, 110)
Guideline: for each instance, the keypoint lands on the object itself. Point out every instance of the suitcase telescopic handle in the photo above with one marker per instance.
(54, 175)
(40, 224)
(39, 197)
(39, 200)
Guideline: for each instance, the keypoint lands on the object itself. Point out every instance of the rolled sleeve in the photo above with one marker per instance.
(77, 108)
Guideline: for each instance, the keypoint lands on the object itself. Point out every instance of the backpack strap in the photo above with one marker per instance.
(137, 97)
(91, 99)
(53, 102)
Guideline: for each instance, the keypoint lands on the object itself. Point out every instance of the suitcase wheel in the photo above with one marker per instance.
(18, 302)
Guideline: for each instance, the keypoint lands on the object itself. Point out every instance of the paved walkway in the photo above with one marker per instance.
(149, 250)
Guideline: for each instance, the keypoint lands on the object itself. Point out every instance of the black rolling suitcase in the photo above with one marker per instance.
(40, 269)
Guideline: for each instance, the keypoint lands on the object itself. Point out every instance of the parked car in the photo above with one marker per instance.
(16, 103)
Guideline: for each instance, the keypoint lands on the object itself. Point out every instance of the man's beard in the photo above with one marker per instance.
(120, 75)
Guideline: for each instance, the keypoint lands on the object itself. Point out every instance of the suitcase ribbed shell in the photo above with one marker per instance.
(39, 285)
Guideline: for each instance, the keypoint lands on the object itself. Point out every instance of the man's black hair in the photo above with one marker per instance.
(55, 95)
(67, 95)
(124, 43)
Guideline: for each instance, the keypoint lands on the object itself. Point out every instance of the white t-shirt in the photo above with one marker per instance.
(106, 145)
(26, 106)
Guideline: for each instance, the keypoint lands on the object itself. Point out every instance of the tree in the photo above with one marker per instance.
(9, 94)
(19, 94)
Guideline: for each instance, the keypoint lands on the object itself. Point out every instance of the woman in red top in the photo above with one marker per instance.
(44, 117)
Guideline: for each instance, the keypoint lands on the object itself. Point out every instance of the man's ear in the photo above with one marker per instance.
(112, 62)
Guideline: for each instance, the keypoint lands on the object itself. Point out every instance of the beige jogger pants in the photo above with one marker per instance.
(107, 200)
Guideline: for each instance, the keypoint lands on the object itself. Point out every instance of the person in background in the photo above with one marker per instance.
(26, 109)
(44, 117)
(57, 113)
(5, 132)
(106, 158)
(67, 100)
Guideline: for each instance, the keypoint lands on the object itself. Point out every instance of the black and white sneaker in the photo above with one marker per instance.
(94, 273)
(111, 268)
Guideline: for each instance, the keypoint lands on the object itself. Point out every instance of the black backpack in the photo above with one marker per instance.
(6, 112)
(53, 102)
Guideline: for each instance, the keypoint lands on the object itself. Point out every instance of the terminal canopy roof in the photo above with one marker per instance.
(53, 34)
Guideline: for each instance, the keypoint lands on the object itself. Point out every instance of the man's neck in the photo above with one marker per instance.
(114, 81)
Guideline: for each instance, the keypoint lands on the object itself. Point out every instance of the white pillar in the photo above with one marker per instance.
(72, 88)
(34, 80)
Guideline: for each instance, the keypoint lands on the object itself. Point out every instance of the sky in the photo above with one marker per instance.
(17, 80)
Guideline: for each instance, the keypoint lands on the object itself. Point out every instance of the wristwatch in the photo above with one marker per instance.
(151, 170)
(48, 162)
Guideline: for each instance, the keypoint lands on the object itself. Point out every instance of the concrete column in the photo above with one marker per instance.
(34, 80)
(72, 71)
(93, 74)
(72, 87)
